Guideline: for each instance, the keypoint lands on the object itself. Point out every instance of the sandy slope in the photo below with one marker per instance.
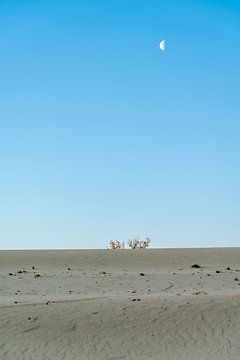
(122, 304)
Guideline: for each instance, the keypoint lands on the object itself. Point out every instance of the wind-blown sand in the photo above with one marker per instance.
(120, 304)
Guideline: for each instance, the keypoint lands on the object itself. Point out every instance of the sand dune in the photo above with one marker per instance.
(122, 304)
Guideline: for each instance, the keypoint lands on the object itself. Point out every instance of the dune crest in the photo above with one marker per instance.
(125, 304)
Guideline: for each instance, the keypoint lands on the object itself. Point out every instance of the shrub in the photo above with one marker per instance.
(139, 244)
(115, 245)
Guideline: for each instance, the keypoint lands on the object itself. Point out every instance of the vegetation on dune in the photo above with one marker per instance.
(133, 244)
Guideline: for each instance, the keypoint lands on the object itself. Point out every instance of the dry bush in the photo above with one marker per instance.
(139, 244)
(115, 245)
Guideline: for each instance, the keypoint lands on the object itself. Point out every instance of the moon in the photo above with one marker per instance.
(162, 45)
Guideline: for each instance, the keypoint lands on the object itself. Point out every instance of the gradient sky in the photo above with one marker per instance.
(103, 136)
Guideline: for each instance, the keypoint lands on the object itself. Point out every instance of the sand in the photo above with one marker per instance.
(120, 304)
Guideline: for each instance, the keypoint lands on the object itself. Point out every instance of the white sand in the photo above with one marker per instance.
(88, 312)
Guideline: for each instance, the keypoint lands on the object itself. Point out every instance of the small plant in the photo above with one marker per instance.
(115, 245)
(139, 244)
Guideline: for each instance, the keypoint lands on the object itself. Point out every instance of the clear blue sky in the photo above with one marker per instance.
(103, 136)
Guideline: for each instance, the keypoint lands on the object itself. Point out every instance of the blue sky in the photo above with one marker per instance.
(103, 136)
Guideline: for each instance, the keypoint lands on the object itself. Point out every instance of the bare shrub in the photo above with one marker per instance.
(115, 245)
(139, 244)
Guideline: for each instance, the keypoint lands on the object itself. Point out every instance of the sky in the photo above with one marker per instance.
(105, 137)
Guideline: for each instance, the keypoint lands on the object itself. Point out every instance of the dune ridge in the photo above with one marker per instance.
(122, 304)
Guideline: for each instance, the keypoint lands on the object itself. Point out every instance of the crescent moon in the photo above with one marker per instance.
(162, 45)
